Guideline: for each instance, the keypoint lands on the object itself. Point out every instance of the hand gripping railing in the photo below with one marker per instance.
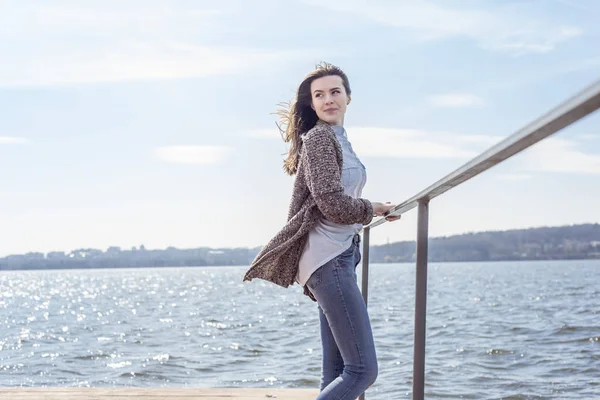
(582, 104)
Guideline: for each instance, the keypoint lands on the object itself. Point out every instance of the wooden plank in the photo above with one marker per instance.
(67, 393)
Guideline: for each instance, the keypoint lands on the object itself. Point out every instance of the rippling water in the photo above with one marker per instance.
(526, 330)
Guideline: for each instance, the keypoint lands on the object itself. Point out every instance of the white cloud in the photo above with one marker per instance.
(514, 177)
(550, 155)
(409, 143)
(83, 43)
(12, 140)
(456, 100)
(503, 29)
(129, 62)
(192, 154)
(272, 133)
(481, 141)
(588, 137)
(561, 156)
(412, 143)
(581, 5)
(109, 18)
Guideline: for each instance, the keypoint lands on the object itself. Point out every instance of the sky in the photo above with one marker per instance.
(152, 122)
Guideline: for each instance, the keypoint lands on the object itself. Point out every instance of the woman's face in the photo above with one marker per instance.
(329, 99)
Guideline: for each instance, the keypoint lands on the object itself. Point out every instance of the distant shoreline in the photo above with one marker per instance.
(575, 242)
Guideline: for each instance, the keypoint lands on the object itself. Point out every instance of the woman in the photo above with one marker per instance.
(319, 246)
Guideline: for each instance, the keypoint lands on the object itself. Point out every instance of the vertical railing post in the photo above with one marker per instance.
(365, 264)
(365, 273)
(421, 301)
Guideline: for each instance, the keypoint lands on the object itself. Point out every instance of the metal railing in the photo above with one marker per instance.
(582, 104)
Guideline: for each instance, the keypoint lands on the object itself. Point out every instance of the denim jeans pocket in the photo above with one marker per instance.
(346, 259)
(316, 278)
(349, 252)
(358, 258)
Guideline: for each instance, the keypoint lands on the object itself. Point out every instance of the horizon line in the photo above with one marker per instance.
(137, 248)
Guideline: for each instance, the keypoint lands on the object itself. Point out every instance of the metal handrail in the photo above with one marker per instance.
(582, 104)
(575, 108)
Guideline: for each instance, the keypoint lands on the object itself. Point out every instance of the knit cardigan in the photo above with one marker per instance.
(317, 193)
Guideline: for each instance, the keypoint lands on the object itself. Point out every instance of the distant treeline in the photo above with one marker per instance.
(548, 243)
(552, 243)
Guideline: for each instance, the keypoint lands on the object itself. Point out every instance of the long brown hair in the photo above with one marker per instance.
(299, 117)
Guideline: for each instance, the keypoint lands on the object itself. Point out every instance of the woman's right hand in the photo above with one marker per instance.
(379, 209)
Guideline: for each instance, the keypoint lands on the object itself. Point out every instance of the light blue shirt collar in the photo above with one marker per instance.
(339, 130)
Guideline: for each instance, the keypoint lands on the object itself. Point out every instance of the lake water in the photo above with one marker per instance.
(513, 330)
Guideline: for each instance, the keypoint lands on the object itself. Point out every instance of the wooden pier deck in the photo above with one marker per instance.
(68, 393)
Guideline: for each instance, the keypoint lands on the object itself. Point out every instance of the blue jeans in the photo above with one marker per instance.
(349, 358)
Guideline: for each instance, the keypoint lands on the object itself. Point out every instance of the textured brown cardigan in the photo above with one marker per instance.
(318, 193)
